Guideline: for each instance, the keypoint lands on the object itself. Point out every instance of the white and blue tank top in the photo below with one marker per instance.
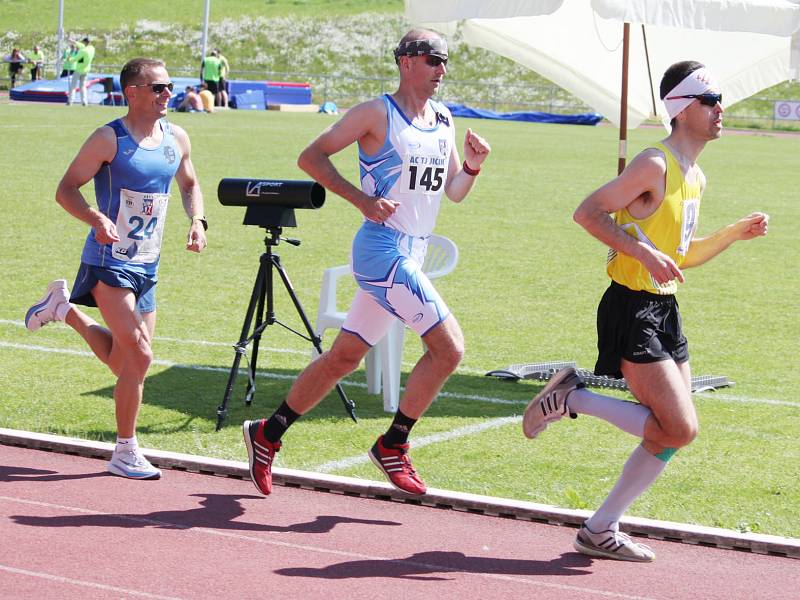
(133, 190)
(410, 168)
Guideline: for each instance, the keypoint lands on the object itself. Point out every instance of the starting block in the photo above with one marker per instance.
(543, 371)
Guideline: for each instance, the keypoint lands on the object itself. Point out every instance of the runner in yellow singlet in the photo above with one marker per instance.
(647, 217)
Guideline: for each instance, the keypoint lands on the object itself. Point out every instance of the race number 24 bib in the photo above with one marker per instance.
(140, 225)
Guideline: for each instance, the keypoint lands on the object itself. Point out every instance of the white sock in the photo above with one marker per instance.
(62, 310)
(628, 416)
(126, 444)
(638, 474)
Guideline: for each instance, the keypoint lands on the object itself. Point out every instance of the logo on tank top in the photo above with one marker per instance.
(443, 146)
(169, 154)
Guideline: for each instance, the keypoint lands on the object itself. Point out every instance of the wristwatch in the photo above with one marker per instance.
(202, 221)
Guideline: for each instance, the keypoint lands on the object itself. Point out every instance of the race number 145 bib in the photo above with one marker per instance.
(424, 174)
(140, 225)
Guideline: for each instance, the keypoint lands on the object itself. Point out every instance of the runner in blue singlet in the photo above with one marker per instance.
(132, 161)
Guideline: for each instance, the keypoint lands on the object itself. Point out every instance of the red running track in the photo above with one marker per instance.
(69, 530)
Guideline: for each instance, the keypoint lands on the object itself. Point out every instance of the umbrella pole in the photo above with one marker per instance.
(649, 72)
(623, 111)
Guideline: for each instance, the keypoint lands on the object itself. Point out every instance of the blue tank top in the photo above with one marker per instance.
(132, 190)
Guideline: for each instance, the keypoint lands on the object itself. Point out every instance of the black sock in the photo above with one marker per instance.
(279, 422)
(398, 431)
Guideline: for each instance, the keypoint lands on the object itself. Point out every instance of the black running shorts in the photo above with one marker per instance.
(638, 326)
(213, 86)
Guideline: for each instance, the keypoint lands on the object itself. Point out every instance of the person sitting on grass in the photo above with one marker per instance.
(191, 101)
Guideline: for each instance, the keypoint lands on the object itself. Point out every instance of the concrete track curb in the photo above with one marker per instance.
(442, 499)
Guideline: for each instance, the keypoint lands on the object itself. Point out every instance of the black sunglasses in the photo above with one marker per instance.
(435, 61)
(706, 99)
(158, 88)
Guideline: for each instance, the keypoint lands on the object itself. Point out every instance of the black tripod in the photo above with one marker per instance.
(263, 294)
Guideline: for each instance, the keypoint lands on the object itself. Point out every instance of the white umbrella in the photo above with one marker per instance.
(589, 49)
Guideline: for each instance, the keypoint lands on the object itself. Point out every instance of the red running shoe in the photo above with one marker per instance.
(396, 465)
(261, 452)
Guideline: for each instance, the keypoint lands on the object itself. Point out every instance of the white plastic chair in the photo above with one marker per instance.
(383, 361)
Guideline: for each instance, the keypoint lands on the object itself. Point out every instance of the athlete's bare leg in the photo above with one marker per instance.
(445, 348)
(320, 377)
(130, 353)
(665, 388)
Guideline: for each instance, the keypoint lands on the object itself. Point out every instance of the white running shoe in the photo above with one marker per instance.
(133, 465)
(44, 311)
(551, 403)
(612, 543)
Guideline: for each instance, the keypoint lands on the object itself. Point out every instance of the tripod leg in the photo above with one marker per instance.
(349, 405)
(240, 347)
(266, 291)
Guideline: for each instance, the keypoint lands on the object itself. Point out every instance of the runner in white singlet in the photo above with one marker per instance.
(408, 160)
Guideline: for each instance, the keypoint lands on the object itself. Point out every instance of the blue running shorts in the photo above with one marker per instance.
(142, 286)
(387, 266)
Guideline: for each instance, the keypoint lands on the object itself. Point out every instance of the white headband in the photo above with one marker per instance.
(696, 82)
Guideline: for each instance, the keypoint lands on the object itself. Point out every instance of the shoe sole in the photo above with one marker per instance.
(377, 462)
(528, 428)
(119, 472)
(42, 303)
(32, 312)
(599, 552)
(251, 454)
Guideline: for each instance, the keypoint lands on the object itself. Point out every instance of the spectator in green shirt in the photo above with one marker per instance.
(224, 67)
(68, 60)
(83, 63)
(37, 60)
(211, 66)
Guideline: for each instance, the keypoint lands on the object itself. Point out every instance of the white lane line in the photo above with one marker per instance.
(21, 324)
(428, 567)
(178, 340)
(167, 363)
(83, 583)
(435, 438)
(731, 398)
(715, 395)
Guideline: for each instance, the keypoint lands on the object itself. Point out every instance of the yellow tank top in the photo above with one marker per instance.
(669, 229)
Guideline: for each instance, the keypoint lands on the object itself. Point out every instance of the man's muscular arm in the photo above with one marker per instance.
(594, 214)
(358, 124)
(99, 148)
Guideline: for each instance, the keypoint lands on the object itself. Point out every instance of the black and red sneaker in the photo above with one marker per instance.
(261, 452)
(396, 465)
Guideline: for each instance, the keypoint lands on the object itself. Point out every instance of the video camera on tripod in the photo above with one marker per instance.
(270, 204)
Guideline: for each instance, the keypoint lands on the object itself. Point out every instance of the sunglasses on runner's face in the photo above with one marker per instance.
(158, 88)
(705, 99)
(435, 61)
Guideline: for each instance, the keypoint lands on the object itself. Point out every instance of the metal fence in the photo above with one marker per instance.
(494, 95)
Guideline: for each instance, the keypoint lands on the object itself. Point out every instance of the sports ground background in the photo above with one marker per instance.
(524, 291)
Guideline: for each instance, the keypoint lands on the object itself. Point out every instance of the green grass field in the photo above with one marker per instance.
(525, 290)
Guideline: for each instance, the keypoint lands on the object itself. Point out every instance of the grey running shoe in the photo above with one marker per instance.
(551, 403)
(613, 544)
(44, 311)
(133, 465)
